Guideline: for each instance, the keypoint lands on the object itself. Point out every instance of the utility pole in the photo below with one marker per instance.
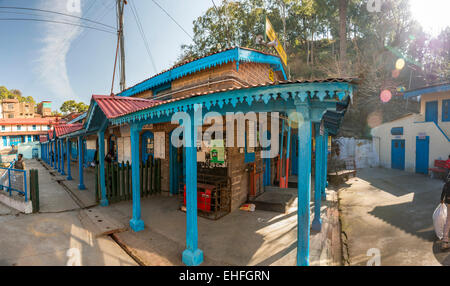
(120, 8)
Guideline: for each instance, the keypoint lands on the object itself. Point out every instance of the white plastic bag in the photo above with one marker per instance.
(439, 219)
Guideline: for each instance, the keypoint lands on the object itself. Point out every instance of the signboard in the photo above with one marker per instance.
(272, 35)
(47, 105)
(271, 75)
(160, 145)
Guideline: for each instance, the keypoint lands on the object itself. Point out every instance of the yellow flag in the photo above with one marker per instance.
(270, 32)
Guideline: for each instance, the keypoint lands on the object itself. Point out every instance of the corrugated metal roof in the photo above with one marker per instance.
(63, 129)
(115, 106)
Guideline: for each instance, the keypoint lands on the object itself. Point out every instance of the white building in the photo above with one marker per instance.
(22, 130)
(413, 142)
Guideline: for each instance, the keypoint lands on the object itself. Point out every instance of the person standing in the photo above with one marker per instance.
(445, 199)
(19, 164)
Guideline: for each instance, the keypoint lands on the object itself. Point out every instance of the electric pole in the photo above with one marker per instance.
(120, 8)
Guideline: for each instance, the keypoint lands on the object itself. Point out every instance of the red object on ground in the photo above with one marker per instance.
(204, 194)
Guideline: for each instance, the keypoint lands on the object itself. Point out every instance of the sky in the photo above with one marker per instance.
(60, 62)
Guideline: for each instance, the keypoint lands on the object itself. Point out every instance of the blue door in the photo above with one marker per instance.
(398, 154)
(422, 154)
(176, 168)
(431, 111)
(148, 144)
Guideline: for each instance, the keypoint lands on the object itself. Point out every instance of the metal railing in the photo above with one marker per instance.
(14, 180)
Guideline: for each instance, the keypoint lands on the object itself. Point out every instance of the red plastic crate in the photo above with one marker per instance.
(204, 194)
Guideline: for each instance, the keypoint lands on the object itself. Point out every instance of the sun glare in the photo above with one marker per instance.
(431, 14)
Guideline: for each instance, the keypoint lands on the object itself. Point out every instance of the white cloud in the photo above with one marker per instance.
(51, 64)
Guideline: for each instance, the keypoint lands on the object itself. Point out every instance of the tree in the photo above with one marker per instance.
(70, 106)
(343, 5)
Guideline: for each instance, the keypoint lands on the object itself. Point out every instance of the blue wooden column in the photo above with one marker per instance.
(63, 173)
(136, 223)
(318, 174)
(101, 162)
(325, 166)
(56, 155)
(192, 256)
(304, 184)
(52, 154)
(81, 185)
(288, 149)
(280, 161)
(68, 146)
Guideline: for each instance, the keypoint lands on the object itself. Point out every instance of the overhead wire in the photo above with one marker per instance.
(175, 21)
(141, 31)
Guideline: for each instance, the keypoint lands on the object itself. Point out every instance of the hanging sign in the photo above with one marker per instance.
(217, 153)
(159, 145)
(272, 35)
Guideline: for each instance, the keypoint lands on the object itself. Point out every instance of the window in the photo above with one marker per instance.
(34, 127)
(19, 127)
(446, 110)
(10, 106)
(3, 128)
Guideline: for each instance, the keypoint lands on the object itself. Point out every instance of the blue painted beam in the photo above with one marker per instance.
(69, 173)
(304, 185)
(136, 223)
(318, 174)
(81, 185)
(101, 162)
(280, 164)
(192, 256)
(288, 149)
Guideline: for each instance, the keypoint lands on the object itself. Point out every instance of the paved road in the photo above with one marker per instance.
(55, 236)
(391, 211)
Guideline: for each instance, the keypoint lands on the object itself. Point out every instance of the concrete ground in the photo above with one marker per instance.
(390, 210)
(55, 236)
(240, 238)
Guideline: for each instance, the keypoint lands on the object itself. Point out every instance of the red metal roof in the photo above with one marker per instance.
(115, 106)
(64, 129)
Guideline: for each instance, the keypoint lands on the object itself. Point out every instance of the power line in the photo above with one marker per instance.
(57, 13)
(141, 30)
(57, 22)
(167, 13)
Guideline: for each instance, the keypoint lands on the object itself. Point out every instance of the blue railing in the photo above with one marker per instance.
(14, 180)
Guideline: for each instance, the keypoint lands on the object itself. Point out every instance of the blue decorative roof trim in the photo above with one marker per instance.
(78, 118)
(332, 91)
(431, 89)
(237, 54)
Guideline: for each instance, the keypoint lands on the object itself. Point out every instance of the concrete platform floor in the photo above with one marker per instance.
(391, 210)
(239, 238)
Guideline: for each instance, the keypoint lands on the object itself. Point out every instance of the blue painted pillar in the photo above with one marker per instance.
(69, 173)
(192, 256)
(101, 161)
(325, 166)
(55, 145)
(288, 149)
(136, 223)
(62, 157)
(304, 185)
(318, 174)
(280, 161)
(81, 185)
(51, 153)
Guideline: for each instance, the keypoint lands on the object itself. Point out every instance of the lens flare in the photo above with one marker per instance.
(395, 73)
(294, 119)
(374, 119)
(385, 96)
(400, 64)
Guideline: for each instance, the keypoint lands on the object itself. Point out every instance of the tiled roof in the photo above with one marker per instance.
(63, 129)
(115, 106)
(27, 121)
